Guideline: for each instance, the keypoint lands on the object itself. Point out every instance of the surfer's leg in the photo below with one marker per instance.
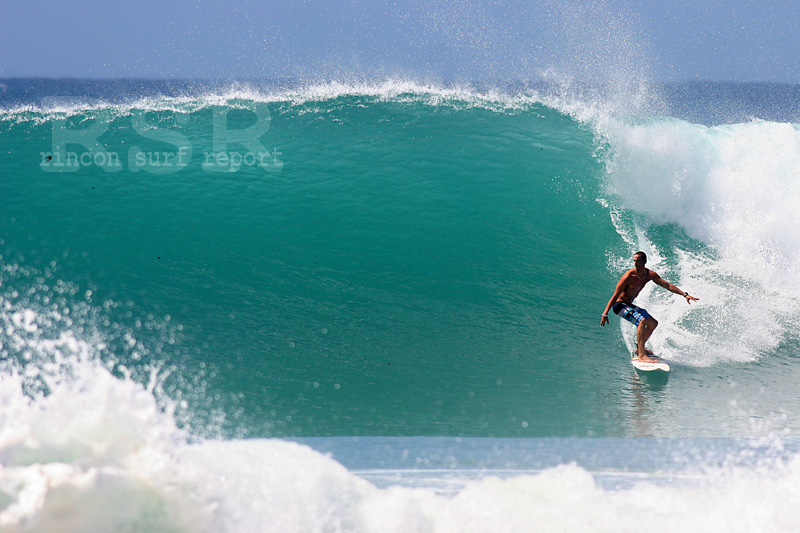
(643, 332)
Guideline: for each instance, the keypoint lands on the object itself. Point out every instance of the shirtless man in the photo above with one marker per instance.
(629, 286)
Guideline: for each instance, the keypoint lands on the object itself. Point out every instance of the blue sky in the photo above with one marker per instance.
(735, 40)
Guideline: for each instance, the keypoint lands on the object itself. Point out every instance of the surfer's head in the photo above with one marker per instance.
(639, 260)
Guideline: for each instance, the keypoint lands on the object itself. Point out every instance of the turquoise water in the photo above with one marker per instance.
(392, 261)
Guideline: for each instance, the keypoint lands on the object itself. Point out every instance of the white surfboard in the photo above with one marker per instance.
(659, 365)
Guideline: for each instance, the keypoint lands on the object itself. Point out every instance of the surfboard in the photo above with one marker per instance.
(659, 365)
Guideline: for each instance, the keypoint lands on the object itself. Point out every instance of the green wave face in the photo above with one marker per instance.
(364, 261)
(401, 265)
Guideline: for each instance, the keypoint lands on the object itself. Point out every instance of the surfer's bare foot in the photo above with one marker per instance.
(645, 359)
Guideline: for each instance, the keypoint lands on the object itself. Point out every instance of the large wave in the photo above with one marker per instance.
(712, 205)
(92, 432)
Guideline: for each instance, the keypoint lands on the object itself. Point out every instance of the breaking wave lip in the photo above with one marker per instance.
(243, 96)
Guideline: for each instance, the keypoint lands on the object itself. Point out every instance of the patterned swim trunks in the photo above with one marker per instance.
(631, 313)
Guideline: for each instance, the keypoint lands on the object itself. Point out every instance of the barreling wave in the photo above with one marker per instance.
(425, 261)
(414, 222)
(395, 217)
(391, 221)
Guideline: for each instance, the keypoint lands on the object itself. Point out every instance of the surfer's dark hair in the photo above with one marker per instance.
(644, 255)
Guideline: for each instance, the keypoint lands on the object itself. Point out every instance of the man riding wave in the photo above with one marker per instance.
(629, 286)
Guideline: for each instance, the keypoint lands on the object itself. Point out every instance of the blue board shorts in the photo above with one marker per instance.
(631, 313)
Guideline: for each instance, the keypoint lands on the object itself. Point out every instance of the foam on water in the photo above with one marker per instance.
(99, 454)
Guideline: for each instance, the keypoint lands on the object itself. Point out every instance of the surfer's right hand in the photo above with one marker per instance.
(604, 320)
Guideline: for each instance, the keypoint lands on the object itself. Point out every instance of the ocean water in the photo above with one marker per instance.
(286, 306)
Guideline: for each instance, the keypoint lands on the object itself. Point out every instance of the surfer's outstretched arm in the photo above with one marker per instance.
(661, 282)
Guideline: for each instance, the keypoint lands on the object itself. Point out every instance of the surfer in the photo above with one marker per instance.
(629, 286)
